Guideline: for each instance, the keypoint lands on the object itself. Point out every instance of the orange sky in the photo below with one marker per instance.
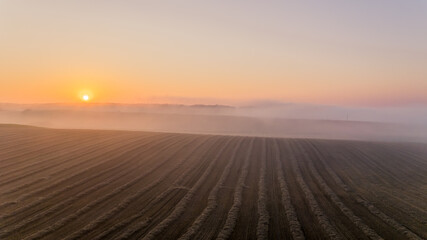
(217, 52)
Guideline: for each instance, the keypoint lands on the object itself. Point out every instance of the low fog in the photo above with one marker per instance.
(258, 119)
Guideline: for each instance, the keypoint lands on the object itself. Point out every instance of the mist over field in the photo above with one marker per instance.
(226, 120)
(271, 119)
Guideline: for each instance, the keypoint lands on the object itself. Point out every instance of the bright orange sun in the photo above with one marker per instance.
(85, 98)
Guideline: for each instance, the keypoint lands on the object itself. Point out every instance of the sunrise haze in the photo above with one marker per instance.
(346, 53)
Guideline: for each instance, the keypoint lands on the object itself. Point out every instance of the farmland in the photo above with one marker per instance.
(95, 184)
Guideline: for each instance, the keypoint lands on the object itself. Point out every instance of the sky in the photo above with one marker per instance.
(346, 53)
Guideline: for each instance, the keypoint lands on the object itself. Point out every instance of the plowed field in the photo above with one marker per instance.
(84, 184)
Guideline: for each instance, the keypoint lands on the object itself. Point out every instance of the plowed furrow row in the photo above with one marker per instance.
(62, 147)
(161, 197)
(166, 195)
(77, 151)
(233, 213)
(118, 174)
(294, 224)
(112, 158)
(62, 222)
(375, 211)
(16, 155)
(21, 145)
(344, 209)
(212, 199)
(314, 206)
(263, 215)
(183, 204)
(129, 200)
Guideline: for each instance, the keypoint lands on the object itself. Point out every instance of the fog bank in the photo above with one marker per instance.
(266, 119)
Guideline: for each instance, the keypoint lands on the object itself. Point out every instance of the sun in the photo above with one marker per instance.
(85, 98)
(85, 95)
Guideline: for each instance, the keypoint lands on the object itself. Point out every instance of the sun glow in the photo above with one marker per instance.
(85, 95)
(85, 98)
